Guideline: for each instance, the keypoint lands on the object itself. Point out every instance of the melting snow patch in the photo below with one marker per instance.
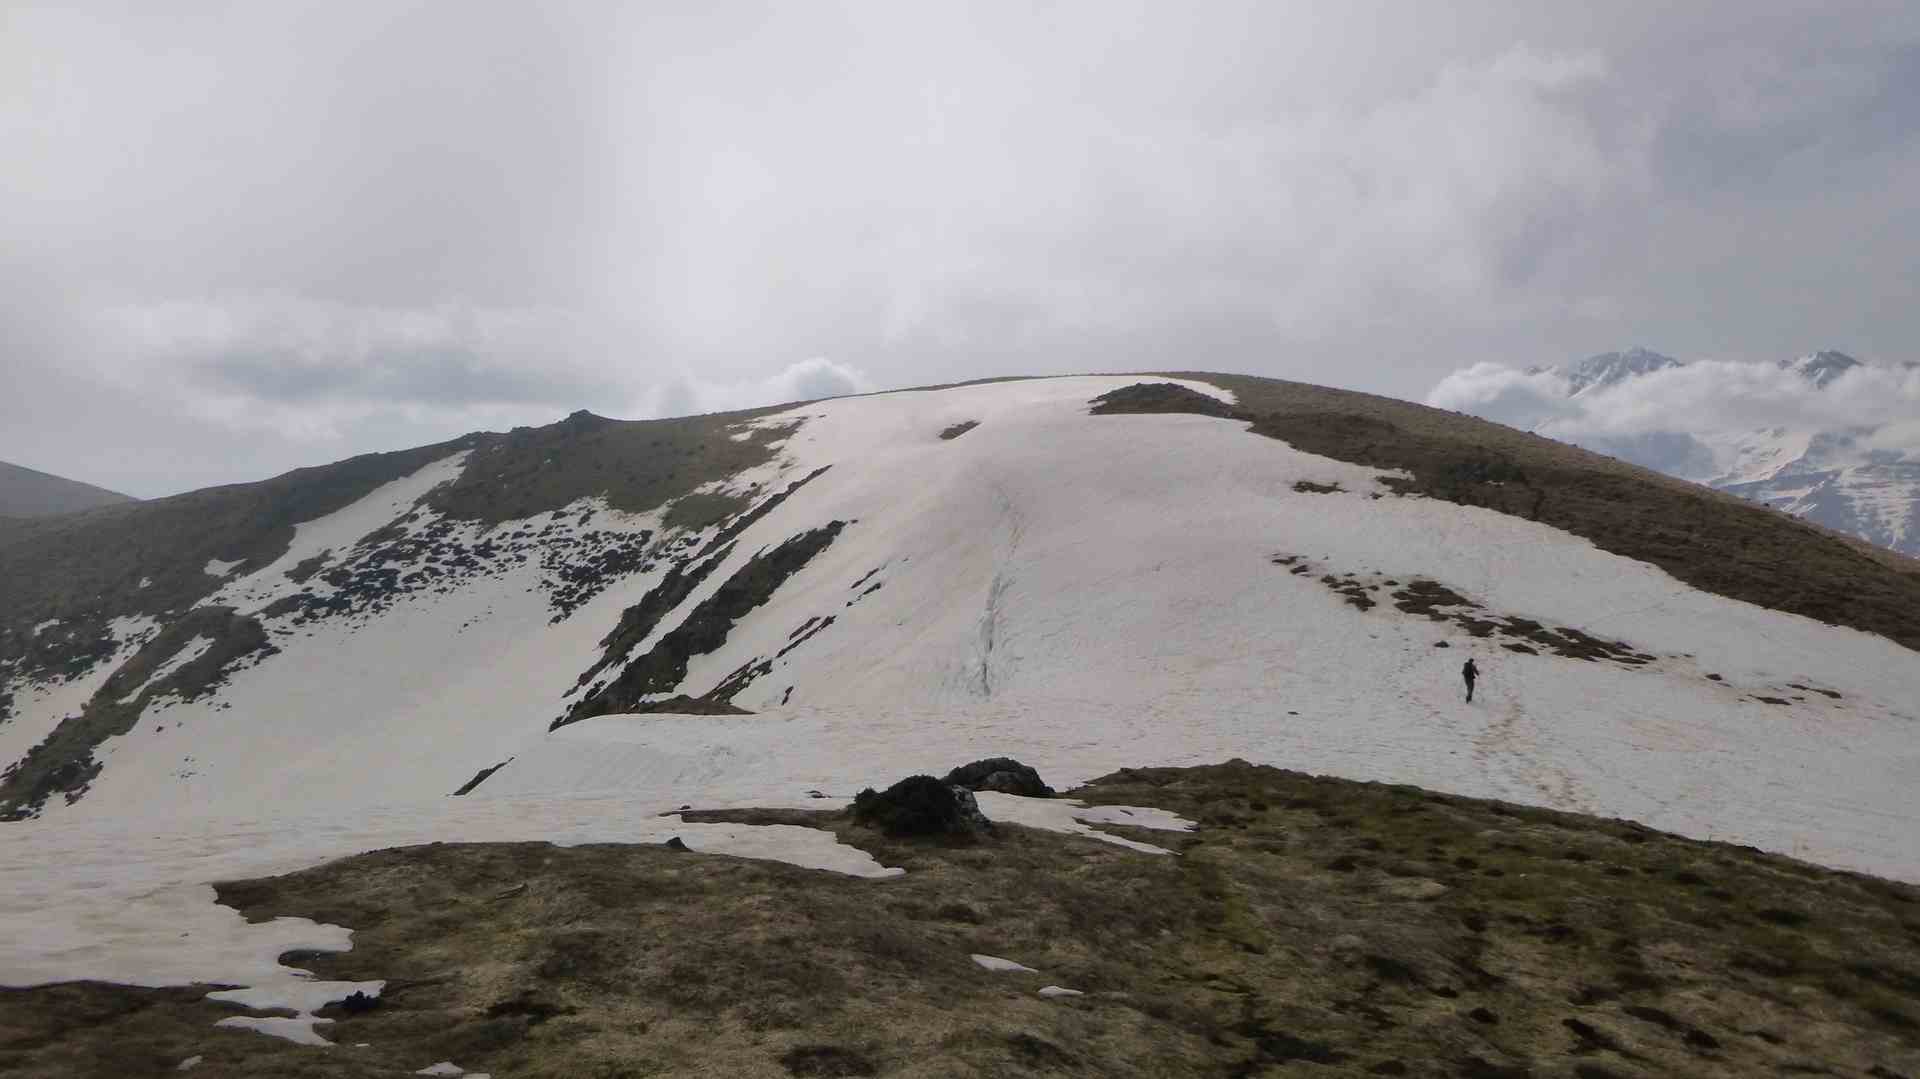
(304, 997)
(96, 899)
(995, 963)
(1072, 817)
(147, 582)
(1059, 991)
(191, 1061)
(42, 627)
(298, 1030)
(218, 568)
(445, 1067)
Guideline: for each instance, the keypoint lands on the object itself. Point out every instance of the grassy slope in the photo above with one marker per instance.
(1310, 926)
(1712, 541)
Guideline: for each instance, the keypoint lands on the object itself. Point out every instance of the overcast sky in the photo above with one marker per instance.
(237, 239)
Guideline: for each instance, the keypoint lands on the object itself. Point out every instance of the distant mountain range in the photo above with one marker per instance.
(1861, 479)
(27, 492)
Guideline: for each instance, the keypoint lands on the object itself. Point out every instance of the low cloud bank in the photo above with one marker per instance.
(241, 387)
(808, 380)
(1699, 398)
(309, 369)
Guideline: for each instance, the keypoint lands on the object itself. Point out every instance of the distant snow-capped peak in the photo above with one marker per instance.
(1821, 367)
(1609, 369)
(1858, 478)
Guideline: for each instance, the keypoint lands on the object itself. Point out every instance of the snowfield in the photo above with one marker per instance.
(1081, 592)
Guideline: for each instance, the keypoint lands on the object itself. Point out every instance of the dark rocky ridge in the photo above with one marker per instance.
(705, 629)
(688, 570)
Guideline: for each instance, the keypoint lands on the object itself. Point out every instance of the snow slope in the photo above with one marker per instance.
(1082, 592)
(1118, 606)
(1085, 592)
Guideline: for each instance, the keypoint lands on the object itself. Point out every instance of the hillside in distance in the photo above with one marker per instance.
(716, 630)
(28, 492)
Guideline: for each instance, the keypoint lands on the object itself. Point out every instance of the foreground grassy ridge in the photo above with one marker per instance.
(1310, 926)
(1710, 540)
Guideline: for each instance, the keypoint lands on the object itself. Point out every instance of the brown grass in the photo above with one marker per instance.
(1310, 924)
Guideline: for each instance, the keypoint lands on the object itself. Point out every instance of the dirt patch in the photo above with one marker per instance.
(959, 429)
(1438, 603)
(683, 705)
(480, 777)
(1163, 397)
(807, 631)
(1350, 589)
(1308, 487)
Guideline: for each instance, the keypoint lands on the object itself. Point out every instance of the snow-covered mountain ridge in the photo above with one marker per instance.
(859, 596)
(1839, 445)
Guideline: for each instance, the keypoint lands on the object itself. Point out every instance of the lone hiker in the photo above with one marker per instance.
(1469, 672)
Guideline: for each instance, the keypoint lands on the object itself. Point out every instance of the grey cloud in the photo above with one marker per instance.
(319, 229)
(804, 381)
(440, 375)
(1660, 416)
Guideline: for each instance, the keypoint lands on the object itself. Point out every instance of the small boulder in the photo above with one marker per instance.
(676, 843)
(1002, 774)
(920, 805)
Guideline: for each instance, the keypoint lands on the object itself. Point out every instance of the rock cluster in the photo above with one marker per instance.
(1002, 774)
(921, 805)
